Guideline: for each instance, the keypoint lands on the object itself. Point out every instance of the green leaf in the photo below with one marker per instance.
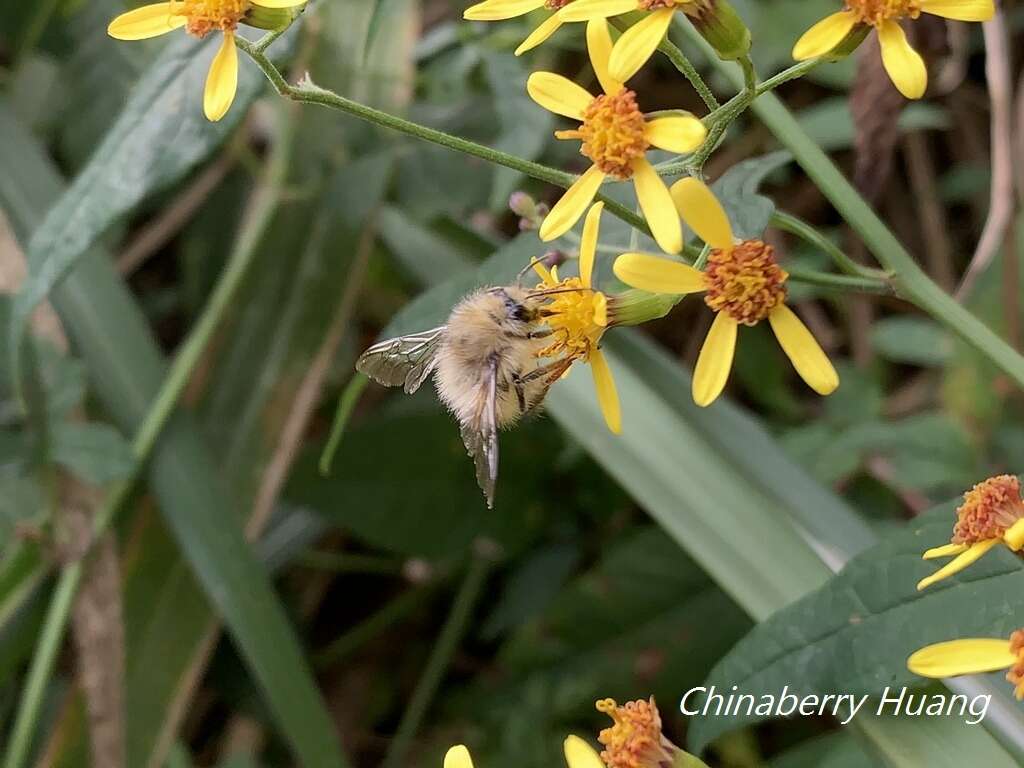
(912, 340)
(749, 212)
(95, 452)
(854, 634)
(159, 137)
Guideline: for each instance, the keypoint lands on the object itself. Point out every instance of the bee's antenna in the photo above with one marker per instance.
(527, 268)
(551, 291)
(551, 258)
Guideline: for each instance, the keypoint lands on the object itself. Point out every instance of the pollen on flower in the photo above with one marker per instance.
(613, 133)
(656, 5)
(556, 5)
(635, 739)
(205, 16)
(577, 317)
(874, 12)
(989, 509)
(1016, 673)
(745, 281)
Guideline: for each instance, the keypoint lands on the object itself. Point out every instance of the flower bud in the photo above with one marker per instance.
(272, 18)
(634, 307)
(719, 24)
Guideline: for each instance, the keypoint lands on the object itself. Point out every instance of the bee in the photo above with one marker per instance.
(486, 367)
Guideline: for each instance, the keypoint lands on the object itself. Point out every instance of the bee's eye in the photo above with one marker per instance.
(516, 311)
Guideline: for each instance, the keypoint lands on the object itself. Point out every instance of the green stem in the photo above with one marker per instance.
(685, 66)
(346, 404)
(308, 92)
(907, 277)
(841, 282)
(145, 438)
(795, 226)
(440, 657)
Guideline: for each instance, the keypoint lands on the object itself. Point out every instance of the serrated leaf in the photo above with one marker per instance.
(854, 634)
(749, 212)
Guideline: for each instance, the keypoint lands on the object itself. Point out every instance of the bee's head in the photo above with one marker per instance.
(518, 307)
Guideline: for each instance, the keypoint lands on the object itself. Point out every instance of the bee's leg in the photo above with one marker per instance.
(555, 370)
(520, 387)
(542, 333)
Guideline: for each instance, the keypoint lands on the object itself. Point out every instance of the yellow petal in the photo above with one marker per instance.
(458, 757)
(715, 360)
(824, 36)
(702, 212)
(588, 243)
(558, 94)
(222, 80)
(638, 43)
(656, 275)
(905, 66)
(145, 22)
(544, 30)
(961, 561)
(585, 10)
(599, 46)
(1014, 536)
(574, 202)
(607, 395)
(676, 134)
(947, 550)
(279, 3)
(962, 10)
(657, 206)
(969, 656)
(579, 754)
(497, 10)
(600, 315)
(803, 350)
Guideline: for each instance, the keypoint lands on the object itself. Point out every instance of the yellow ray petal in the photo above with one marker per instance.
(574, 202)
(656, 275)
(961, 561)
(947, 550)
(278, 3)
(544, 30)
(543, 272)
(824, 36)
(222, 80)
(962, 10)
(702, 212)
(607, 394)
(638, 44)
(145, 22)
(676, 134)
(905, 66)
(588, 243)
(558, 94)
(497, 10)
(458, 757)
(585, 10)
(715, 360)
(599, 46)
(579, 754)
(1014, 536)
(803, 350)
(969, 656)
(657, 206)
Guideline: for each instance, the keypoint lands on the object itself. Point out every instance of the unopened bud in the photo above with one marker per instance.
(522, 204)
(553, 259)
(272, 18)
(719, 24)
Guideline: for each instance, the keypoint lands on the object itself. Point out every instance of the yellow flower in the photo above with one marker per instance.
(971, 657)
(615, 136)
(578, 754)
(714, 19)
(904, 65)
(992, 512)
(499, 10)
(742, 283)
(635, 739)
(578, 316)
(199, 17)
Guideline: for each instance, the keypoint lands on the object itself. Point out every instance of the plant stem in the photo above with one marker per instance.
(146, 437)
(346, 404)
(907, 277)
(795, 226)
(308, 92)
(440, 657)
(685, 66)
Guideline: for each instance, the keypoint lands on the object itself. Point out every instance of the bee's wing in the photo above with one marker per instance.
(481, 433)
(405, 360)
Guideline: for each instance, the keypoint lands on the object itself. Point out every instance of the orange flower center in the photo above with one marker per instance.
(613, 133)
(1016, 673)
(745, 282)
(205, 16)
(989, 509)
(578, 317)
(874, 12)
(635, 739)
(656, 5)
